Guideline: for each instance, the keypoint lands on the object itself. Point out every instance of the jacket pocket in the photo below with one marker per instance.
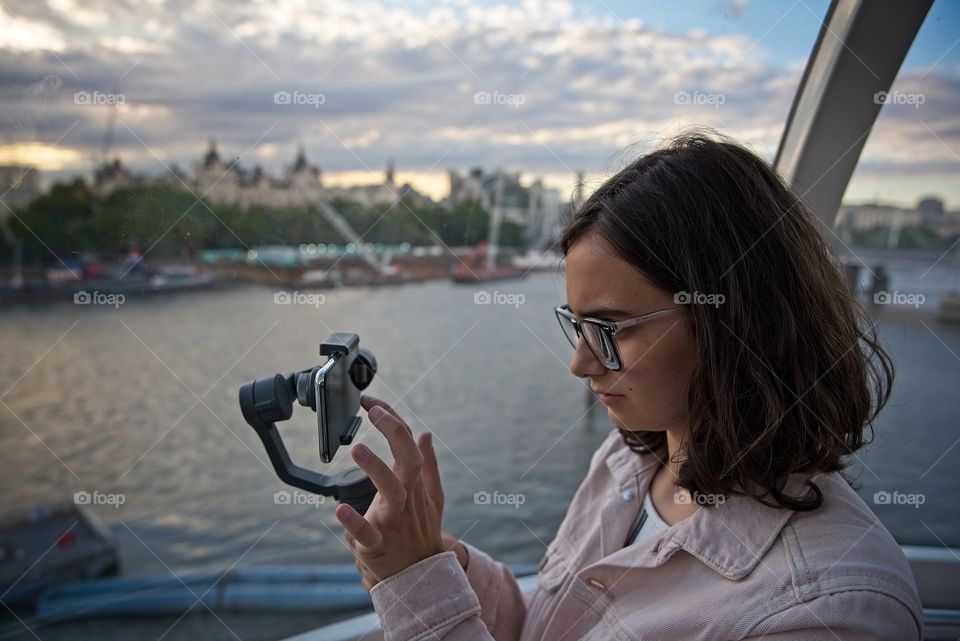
(554, 567)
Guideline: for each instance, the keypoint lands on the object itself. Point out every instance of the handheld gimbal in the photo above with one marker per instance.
(332, 390)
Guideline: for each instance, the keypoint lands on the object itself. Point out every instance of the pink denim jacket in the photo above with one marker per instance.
(741, 570)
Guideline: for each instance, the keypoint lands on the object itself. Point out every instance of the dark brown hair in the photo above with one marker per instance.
(790, 372)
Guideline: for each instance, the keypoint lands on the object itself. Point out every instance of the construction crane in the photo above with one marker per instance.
(343, 227)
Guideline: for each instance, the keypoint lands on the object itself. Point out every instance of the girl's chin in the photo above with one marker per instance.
(630, 424)
(621, 421)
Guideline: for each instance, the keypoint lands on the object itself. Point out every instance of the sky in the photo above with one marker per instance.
(547, 88)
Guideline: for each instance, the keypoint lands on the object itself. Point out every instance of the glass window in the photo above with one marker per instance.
(898, 230)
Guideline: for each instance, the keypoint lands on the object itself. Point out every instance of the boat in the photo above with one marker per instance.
(319, 279)
(50, 545)
(174, 278)
(478, 267)
(539, 261)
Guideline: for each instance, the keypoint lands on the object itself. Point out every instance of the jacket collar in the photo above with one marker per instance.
(730, 538)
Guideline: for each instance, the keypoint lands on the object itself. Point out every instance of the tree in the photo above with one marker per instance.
(59, 221)
(166, 220)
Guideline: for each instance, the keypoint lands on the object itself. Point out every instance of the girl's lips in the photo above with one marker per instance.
(608, 399)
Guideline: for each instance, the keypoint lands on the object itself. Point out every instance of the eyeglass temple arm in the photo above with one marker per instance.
(646, 317)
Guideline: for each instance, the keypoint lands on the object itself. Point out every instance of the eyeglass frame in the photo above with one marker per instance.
(609, 328)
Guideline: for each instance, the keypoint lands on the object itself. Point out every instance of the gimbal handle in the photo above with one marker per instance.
(264, 402)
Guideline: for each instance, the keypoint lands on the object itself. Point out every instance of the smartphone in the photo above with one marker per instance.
(338, 401)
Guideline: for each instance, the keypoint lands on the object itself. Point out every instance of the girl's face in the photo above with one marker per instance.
(650, 391)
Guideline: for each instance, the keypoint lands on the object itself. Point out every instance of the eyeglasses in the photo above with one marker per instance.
(600, 335)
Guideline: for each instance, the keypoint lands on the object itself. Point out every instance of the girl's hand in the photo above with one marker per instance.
(402, 524)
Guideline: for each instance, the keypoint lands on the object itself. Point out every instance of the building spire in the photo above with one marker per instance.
(301, 161)
(212, 156)
(388, 177)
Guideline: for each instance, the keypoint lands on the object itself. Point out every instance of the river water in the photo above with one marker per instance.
(140, 400)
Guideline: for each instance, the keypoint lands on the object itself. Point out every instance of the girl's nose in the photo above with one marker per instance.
(584, 363)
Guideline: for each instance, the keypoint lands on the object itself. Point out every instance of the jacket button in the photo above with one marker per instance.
(597, 583)
(628, 495)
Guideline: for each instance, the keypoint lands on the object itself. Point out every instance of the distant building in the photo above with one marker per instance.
(19, 185)
(933, 215)
(380, 194)
(226, 181)
(865, 217)
(109, 177)
(929, 213)
(930, 205)
(543, 214)
(535, 207)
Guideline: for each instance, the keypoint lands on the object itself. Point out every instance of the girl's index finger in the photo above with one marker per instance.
(369, 402)
(406, 453)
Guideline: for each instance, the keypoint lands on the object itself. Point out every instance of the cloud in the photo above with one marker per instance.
(397, 80)
(737, 7)
(24, 34)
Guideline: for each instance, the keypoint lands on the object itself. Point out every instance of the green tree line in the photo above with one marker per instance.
(69, 219)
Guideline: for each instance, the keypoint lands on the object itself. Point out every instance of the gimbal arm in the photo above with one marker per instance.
(266, 401)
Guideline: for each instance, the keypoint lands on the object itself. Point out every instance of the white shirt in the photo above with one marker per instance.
(649, 522)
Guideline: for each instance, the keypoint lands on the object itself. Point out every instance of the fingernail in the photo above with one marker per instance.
(430, 439)
(376, 413)
(362, 452)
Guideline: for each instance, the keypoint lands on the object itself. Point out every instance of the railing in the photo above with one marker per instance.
(936, 571)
